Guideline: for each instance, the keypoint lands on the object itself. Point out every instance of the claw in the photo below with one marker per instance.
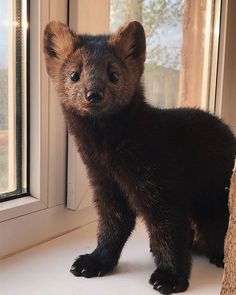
(72, 268)
(156, 286)
(159, 287)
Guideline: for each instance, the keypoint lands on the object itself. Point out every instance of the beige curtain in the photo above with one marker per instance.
(229, 278)
(192, 54)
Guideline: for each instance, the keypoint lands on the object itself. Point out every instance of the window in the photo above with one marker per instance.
(179, 36)
(13, 99)
(42, 213)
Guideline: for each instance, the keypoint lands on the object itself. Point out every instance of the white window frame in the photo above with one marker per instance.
(42, 215)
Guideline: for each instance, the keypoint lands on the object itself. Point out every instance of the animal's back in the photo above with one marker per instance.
(205, 149)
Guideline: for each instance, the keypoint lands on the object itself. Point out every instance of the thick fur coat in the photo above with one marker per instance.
(171, 167)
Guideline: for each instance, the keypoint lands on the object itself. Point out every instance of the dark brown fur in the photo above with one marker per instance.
(171, 167)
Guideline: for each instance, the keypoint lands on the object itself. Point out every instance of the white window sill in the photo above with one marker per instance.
(21, 206)
(17, 202)
(44, 269)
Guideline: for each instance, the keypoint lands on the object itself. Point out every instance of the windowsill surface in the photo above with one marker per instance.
(44, 269)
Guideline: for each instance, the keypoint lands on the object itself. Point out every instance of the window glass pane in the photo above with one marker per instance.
(4, 16)
(178, 37)
(13, 26)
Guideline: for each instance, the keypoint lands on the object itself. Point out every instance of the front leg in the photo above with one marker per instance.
(169, 239)
(116, 222)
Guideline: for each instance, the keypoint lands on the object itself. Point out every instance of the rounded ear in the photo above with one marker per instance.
(59, 41)
(129, 41)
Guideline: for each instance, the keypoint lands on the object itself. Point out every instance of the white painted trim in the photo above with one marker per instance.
(220, 72)
(92, 17)
(18, 207)
(57, 136)
(211, 54)
(39, 101)
(40, 226)
(214, 55)
(207, 53)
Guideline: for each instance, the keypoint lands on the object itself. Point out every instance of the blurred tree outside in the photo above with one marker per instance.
(162, 21)
(3, 129)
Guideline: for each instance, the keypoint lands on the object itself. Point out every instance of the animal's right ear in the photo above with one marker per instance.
(59, 41)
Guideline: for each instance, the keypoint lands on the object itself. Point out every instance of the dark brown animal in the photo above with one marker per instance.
(171, 167)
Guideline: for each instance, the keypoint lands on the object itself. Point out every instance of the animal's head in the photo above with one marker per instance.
(95, 75)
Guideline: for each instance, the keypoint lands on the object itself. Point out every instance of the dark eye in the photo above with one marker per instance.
(113, 77)
(74, 76)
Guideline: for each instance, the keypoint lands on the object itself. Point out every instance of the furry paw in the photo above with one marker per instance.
(164, 281)
(89, 266)
(218, 260)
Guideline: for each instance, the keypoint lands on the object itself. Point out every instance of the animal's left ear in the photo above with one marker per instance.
(129, 42)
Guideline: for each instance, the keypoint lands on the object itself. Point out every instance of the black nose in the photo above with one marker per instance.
(94, 96)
